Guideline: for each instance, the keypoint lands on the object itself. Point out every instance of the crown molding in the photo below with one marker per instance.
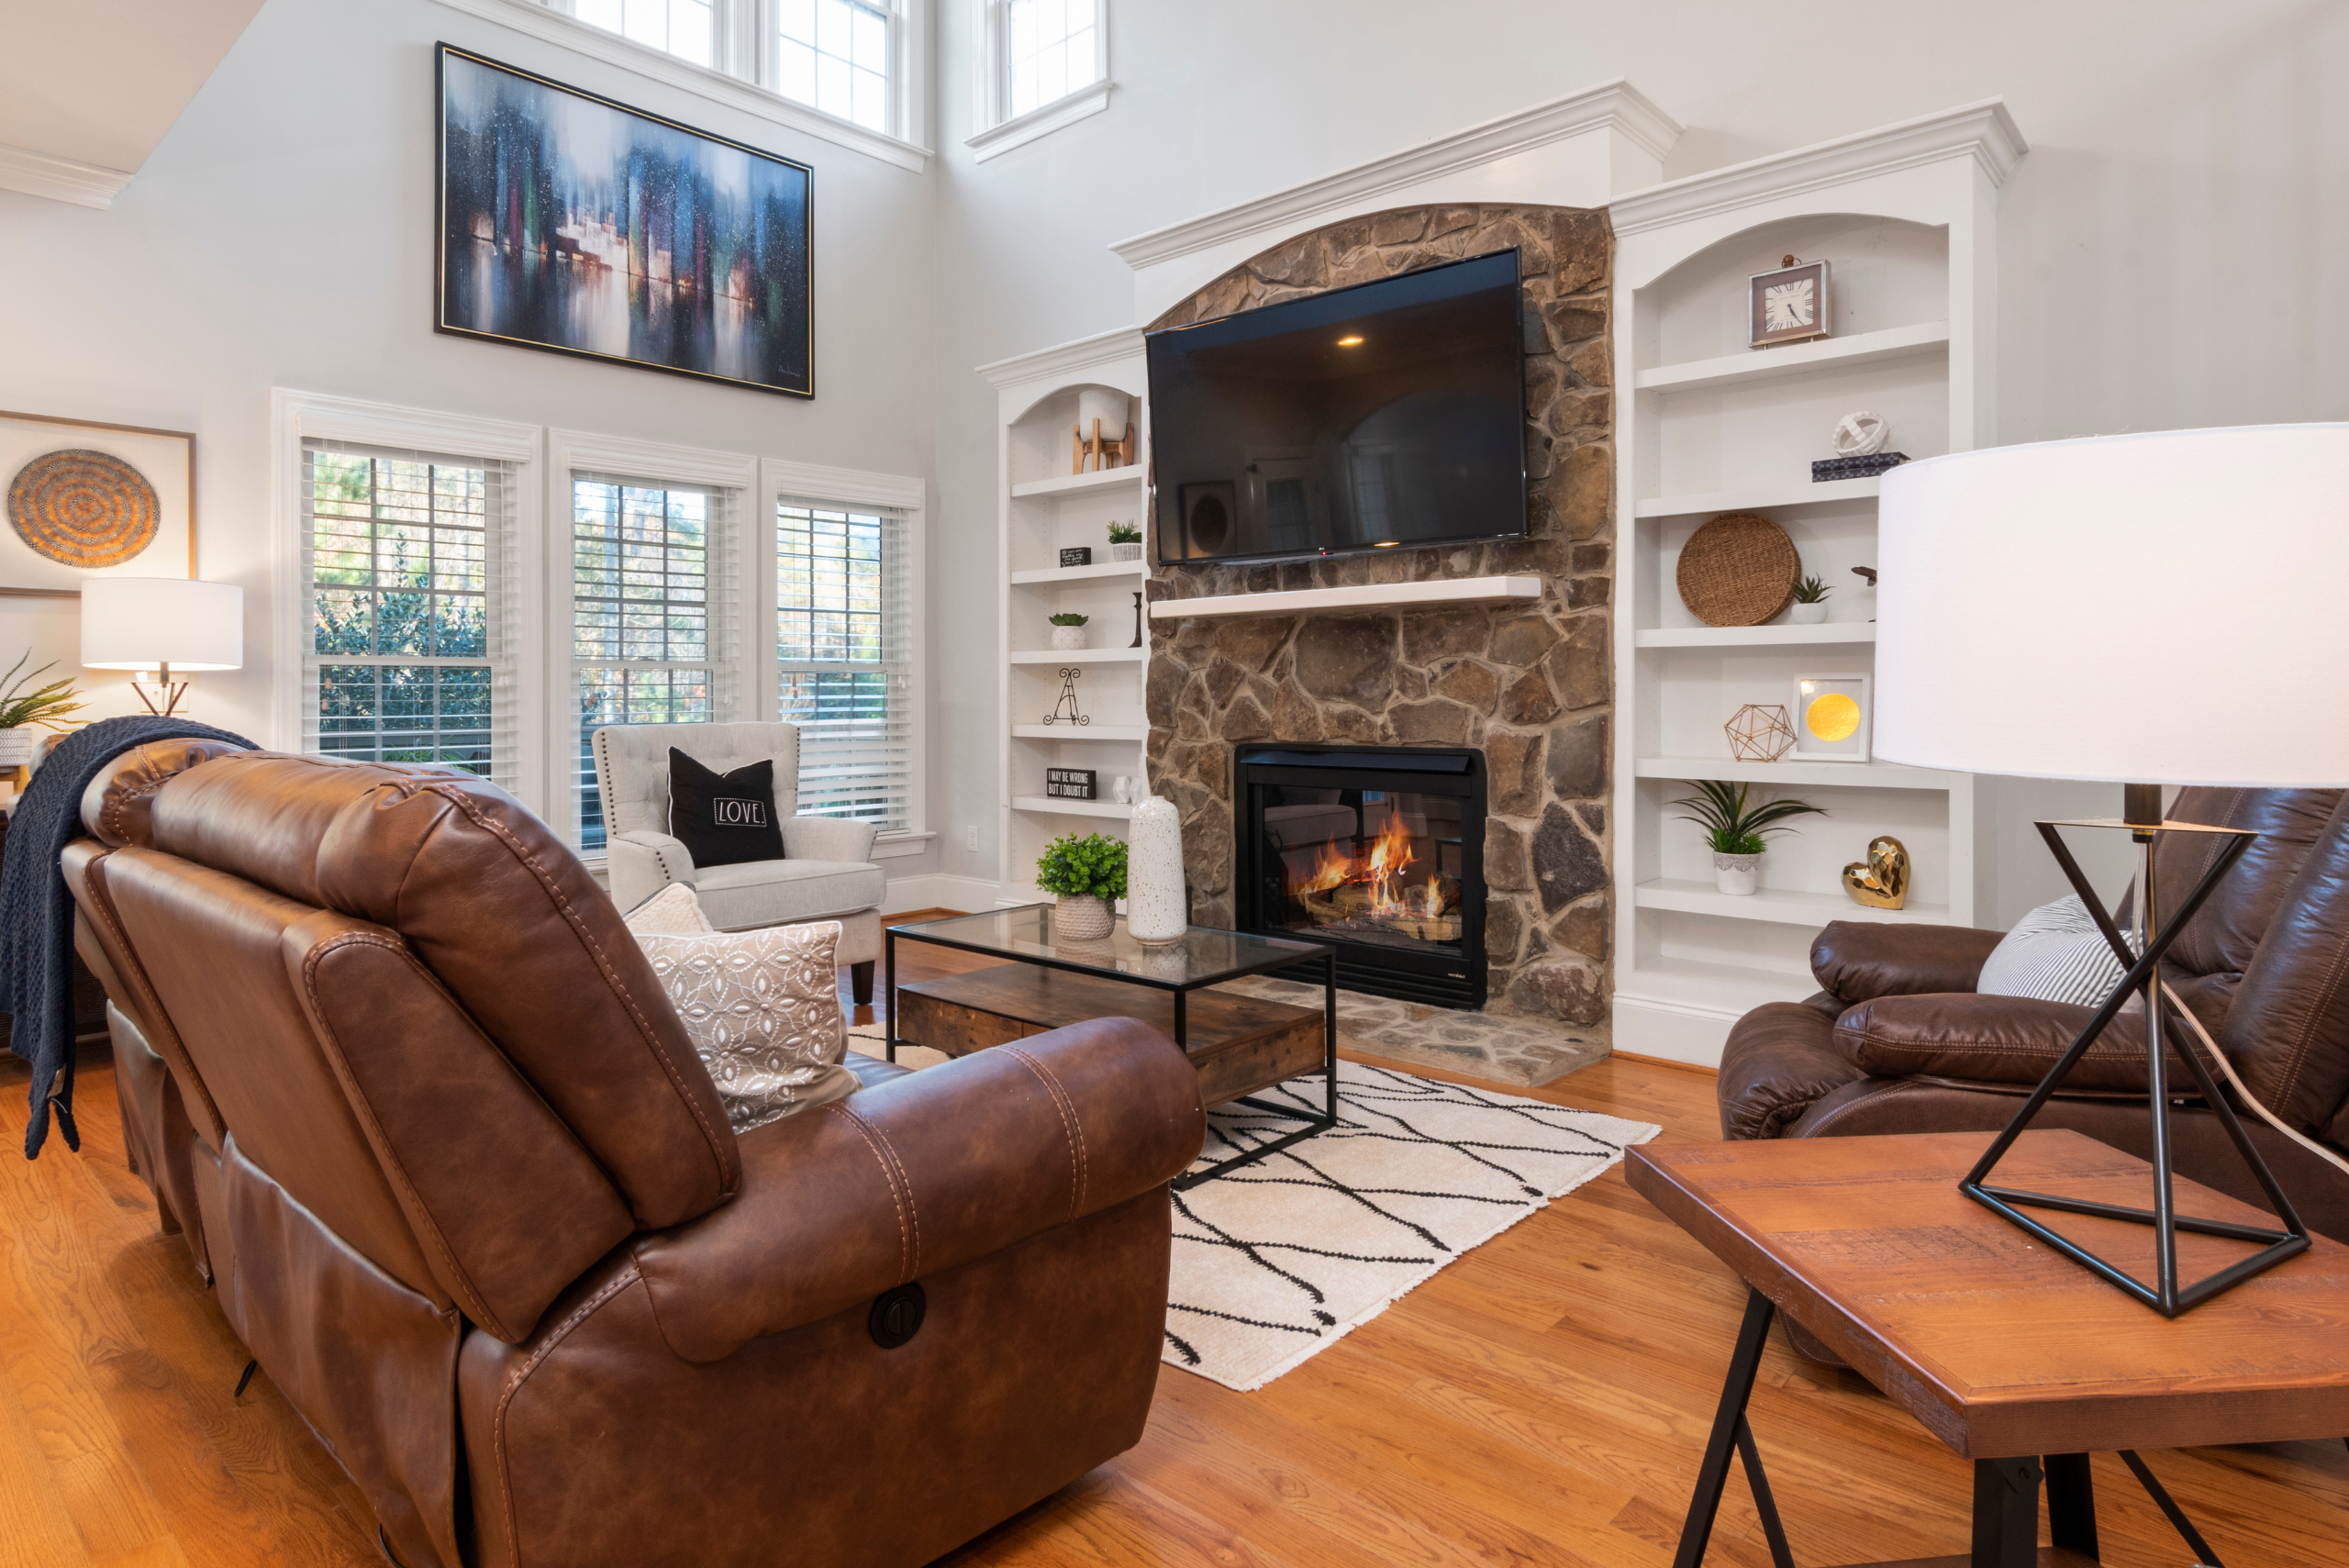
(1063, 360)
(1984, 131)
(60, 179)
(1611, 105)
(582, 37)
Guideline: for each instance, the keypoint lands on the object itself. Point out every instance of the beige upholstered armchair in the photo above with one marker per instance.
(826, 872)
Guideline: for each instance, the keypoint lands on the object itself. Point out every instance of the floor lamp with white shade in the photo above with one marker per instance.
(2157, 609)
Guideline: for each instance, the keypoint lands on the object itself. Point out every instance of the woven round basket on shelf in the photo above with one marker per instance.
(1738, 570)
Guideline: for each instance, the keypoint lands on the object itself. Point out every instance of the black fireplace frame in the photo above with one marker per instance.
(1457, 771)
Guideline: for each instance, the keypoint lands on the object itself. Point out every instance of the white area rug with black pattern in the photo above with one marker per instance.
(1277, 1261)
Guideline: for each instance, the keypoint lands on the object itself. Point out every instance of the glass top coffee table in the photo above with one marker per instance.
(1240, 1044)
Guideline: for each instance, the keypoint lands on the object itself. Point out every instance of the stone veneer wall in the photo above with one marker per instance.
(1530, 687)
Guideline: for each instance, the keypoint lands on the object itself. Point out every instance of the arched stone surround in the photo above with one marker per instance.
(1532, 687)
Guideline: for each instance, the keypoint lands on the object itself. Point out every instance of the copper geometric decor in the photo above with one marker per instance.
(1759, 733)
(83, 509)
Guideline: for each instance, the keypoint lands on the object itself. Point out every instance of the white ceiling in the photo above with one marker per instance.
(90, 87)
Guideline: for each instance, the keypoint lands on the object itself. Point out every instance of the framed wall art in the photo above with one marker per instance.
(574, 224)
(1833, 718)
(86, 499)
(1790, 304)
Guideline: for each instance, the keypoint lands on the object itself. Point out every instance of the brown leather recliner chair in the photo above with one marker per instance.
(1898, 1040)
(391, 1060)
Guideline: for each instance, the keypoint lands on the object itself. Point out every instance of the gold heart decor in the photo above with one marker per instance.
(1880, 881)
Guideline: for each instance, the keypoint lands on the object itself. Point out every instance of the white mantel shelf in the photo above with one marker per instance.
(1369, 596)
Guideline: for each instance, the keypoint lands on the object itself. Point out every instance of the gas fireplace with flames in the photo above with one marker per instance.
(1378, 851)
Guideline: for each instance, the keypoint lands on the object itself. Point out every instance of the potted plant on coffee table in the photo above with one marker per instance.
(1738, 826)
(1068, 632)
(1086, 877)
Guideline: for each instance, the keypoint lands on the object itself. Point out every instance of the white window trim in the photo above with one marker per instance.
(850, 486)
(571, 452)
(910, 93)
(994, 135)
(297, 417)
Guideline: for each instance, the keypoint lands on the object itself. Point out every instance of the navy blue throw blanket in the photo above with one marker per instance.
(37, 909)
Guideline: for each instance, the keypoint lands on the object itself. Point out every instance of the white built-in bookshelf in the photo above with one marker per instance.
(1043, 508)
(1906, 218)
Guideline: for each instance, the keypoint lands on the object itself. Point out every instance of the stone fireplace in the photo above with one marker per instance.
(1526, 686)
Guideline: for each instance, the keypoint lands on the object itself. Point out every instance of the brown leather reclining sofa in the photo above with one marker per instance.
(390, 1060)
(1896, 1041)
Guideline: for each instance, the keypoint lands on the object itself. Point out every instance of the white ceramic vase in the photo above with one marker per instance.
(1156, 911)
(1738, 874)
(1807, 614)
(1081, 918)
(1126, 551)
(1067, 638)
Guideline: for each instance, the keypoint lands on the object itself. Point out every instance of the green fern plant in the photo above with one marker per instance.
(1735, 823)
(46, 705)
(1124, 533)
(1072, 867)
(1811, 591)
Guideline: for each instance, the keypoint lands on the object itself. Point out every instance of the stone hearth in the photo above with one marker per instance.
(1532, 687)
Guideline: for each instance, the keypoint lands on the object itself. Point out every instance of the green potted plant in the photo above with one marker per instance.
(1068, 632)
(1738, 827)
(1125, 542)
(20, 710)
(1086, 877)
(1811, 602)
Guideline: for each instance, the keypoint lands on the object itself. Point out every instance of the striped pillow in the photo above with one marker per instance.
(2054, 954)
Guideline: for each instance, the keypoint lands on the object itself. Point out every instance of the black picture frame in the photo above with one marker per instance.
(523, 259)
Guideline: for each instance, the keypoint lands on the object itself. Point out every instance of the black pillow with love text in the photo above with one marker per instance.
(723, 820)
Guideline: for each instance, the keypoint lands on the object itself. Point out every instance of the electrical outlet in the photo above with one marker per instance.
(971, 837)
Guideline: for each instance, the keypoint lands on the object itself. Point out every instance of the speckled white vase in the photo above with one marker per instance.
(1155, 911)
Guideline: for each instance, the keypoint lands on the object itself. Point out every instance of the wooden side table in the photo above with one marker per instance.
(2010, 1354)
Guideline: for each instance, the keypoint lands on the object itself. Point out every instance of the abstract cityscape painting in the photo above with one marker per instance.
(572, 223)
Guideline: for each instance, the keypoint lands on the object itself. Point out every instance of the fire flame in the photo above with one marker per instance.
(1390, 856)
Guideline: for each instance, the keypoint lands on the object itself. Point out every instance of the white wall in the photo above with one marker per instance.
(282, 234)
(2174, 251)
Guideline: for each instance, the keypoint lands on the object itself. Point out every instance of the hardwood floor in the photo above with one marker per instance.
(1540, 1402)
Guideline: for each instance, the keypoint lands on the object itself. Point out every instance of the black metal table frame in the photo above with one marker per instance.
(1314, 1124)
(2006, 1491)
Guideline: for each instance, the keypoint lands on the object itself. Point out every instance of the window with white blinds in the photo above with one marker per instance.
(843, 654)
(407, 583)
(652, 613)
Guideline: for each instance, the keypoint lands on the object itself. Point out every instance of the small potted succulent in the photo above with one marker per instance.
(1811, 602)
(20, 710)
(1125, 542)
(1737, 825)
(1068, 632)
(1086, 877)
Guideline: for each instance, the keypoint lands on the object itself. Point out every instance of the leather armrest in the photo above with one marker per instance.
(829, 838)
(1992, 1040)
(1780, 1060)
(923, 1175)
(1860, 960)
(643, 863)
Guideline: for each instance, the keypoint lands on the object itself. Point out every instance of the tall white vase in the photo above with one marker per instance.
(1156, 909)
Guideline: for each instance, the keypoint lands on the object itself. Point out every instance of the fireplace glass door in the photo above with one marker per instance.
(1370, 865)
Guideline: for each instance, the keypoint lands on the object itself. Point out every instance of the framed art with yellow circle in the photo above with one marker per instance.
(1832, 717)
(81, 499)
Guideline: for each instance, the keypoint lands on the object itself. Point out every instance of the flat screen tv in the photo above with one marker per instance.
(1391, 413)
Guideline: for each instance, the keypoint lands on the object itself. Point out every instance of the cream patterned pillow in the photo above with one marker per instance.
(763, 1010)
(675, 909)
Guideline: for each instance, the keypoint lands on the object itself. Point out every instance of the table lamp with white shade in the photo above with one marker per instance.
(2155, 609)
(160, 625)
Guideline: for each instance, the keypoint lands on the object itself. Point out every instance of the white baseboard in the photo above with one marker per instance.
(936, 890)
(1674, 1032)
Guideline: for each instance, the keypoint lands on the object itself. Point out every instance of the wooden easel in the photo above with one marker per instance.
(1101, 449)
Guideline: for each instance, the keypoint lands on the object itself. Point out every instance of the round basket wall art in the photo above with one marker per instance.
(1738, 570)
(83, 510)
